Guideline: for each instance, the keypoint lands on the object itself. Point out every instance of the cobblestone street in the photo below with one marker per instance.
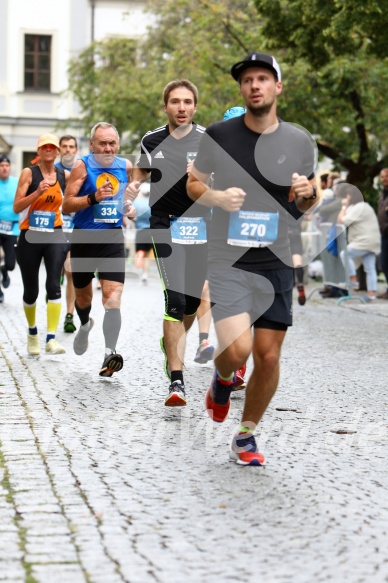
(100, 483)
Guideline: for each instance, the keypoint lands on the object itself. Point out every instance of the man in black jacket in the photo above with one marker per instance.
(382, 214)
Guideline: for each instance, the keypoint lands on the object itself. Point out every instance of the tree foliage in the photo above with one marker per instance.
(198, 40)
(333, 56)
(335, 59)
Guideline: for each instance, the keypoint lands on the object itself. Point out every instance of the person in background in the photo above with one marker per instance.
(327, 212)
(68, 150)
(9, 221)
(363, 236)
(205, 350)
(235, 111)
(39, 199)
(323, 178)
(143, 243)
(295, 236)
(382, 214)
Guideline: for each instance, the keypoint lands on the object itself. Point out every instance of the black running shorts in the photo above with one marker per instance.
(107, 257)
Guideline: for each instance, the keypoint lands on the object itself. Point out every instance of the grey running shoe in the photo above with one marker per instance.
(81, 342)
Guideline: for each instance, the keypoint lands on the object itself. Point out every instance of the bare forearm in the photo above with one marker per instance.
(22, 203)
(72, 204)
(199, 192)
(305, 205)
(304, 192)
(140, 174)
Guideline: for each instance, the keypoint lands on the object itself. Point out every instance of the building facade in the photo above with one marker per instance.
(37, 40)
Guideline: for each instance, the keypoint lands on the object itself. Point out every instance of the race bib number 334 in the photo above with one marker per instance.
(106, 211)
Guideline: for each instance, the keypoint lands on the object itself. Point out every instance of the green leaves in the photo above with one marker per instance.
(200, 40)
(338, 48)
(333, 56)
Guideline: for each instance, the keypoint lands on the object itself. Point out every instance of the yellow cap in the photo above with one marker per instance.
(48, 139)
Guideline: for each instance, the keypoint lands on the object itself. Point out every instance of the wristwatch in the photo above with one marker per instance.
(313, 196)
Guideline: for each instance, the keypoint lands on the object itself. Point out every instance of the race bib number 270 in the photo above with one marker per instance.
(252, 228)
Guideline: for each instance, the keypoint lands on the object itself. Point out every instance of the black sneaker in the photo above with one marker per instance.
(1, 296)
(176, 395)
(68, 325)
(112, 363)
(6, 280)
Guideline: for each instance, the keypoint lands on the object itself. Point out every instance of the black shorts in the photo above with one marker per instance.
(108, 258)
(183, 268)
(143, 240)
(266, 295)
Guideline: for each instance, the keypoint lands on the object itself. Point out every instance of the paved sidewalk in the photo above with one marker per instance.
(100, 483)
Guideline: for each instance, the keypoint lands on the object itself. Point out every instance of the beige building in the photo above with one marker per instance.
(37, 39)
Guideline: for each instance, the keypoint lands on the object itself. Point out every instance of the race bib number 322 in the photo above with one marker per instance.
(189, 231)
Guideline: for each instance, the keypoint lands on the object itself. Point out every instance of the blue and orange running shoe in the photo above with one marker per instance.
(204, 353)
(217, 400)
(243, 450)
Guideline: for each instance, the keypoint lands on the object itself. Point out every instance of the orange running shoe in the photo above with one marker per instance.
(240, 383)
(301, 294)
(217, 400)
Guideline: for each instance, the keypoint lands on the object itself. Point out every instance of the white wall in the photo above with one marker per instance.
(123, 18)
(26, 115)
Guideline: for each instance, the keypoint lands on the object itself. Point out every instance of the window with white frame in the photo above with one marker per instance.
(37, 62)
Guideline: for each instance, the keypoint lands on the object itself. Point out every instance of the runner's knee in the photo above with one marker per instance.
(175, 305)
(192, 305)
